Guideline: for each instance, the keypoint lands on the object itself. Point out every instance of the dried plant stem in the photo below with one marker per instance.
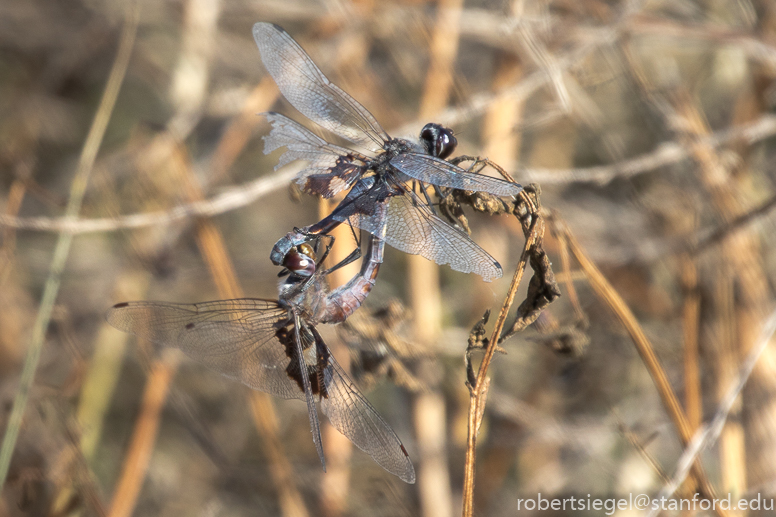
(636, 443)
(228, 200)
(139, 454)
(690, 321)
(237, 134)
(99, 385)
(62, 250)
(733, 196)
(429, 409)
(242, 195)
(478, 392)
(704, 437)
(615, 302)
(665, 154)
(337, 448)
(568, 280)
(732, 443)
(12, 349)
(266, 421)
(213, 250)
(189, 86)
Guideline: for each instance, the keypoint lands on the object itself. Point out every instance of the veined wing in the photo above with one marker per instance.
(332, 168)
(309, 91)
(429, 169)
(413, 228)
(312, 412)
(352, 415)
(237, 338)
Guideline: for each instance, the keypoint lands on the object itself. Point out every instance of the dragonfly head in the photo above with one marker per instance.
(300, 260)
(438, 140)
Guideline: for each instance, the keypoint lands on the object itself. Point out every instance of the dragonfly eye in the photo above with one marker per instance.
(438, 140)
(300, 261)
(306, 249)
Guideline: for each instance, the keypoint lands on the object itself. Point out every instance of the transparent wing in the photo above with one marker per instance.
(413, 228)
(332, 168)
(237, 338)
(352, 415)
(429, 169)
(309, 91)
(312, 412)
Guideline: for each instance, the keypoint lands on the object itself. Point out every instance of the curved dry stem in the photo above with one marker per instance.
(643, 346)
(479, 384)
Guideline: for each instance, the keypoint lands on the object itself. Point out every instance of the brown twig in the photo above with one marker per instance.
(637, 444)
(214, 253)
(229, 199)
(665, 154)
(143, 436)
(233, 198)
(533, 229)
(690, 321)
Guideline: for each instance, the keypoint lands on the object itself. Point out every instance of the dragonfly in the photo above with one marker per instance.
(394, 163)
(273, 346)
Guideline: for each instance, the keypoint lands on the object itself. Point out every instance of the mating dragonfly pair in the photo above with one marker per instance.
(273, 345)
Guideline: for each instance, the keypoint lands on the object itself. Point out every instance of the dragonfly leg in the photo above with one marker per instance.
(428, 198)
(354, 255)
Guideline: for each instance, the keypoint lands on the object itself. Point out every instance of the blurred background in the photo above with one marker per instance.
(647, 124)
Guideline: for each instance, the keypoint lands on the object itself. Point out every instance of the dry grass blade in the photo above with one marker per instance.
(705, 436)
(13, 204)
(213, 250)
(62, 249)
(615, 302)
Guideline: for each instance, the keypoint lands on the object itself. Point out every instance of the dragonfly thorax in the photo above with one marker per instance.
(397, 146)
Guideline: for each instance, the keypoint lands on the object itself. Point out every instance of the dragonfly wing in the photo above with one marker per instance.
(237, 338)
(352, 415)
(410, 226)
(332, 168)
(413, 228)
(312, 412)
(429, 169)
(303, 84)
